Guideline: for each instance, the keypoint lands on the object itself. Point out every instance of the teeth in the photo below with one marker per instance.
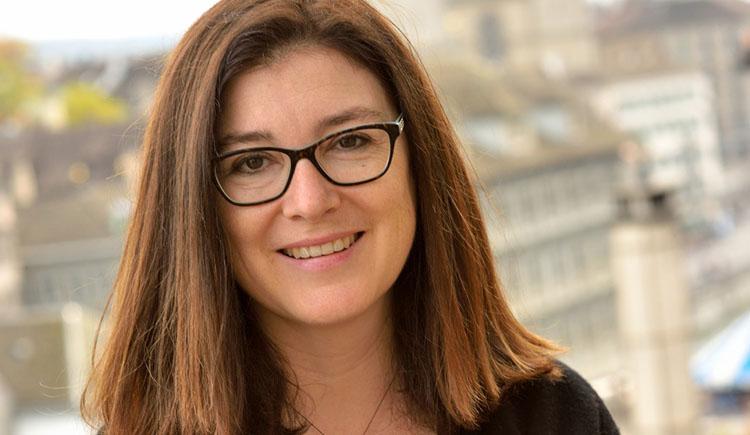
(320, 250)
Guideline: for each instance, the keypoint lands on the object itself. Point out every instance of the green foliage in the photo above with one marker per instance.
(86, 103)
(17, 86)
(23, 97)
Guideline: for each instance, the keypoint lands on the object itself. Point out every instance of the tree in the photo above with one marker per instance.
(17, 86)
(85, 103)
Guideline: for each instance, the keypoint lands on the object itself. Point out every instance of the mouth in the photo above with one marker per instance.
(332, 247)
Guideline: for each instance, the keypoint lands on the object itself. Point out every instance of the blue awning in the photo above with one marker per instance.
(723, 363)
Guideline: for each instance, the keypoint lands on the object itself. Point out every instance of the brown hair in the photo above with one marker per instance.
(185, 355)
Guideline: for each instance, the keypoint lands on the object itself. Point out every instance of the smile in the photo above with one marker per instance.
(331, 247)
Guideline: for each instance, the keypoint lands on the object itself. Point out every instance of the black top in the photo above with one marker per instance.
(568, 406)
(544, 407)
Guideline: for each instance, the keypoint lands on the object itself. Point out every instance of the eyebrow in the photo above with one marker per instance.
(357, 113)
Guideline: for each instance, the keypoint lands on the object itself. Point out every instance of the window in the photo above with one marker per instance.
(490, 36)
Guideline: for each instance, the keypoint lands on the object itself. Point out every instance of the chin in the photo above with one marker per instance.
(334, 314)
(334, 309)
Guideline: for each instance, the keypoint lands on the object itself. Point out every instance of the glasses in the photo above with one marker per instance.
(357, 155)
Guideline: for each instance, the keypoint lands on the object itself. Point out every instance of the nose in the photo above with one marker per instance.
(309, 196)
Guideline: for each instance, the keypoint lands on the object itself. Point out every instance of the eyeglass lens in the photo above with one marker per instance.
(258, 175)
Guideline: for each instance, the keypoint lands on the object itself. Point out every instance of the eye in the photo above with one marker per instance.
(250, 163)
(253, 163)
(352, 141)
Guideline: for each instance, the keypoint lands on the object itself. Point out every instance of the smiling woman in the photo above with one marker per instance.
(313, 91)
(307, 254)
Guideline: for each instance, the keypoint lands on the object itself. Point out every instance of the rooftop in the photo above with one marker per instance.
(545, 122)
(644, 16)
(98, 211)
(53, 154)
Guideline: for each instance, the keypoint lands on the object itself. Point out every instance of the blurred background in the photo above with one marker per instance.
(610, 142)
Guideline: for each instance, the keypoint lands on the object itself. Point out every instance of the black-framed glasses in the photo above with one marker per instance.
(357, 155)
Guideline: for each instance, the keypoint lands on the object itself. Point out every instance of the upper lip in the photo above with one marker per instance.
(317, 241)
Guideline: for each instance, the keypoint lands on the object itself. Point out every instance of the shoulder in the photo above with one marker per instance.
(542, 406)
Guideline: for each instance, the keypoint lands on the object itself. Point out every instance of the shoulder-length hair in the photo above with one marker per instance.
(186, 355)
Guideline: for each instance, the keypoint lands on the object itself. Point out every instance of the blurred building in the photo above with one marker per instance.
(66, 195)
(719, 277)
(10, 266)
(705, 35)
(551, 170)
(129, 79)
(671, 115)
(649, 40)
(556, 37)
(552, 248)
(65, 198)
(653, 312)
(421, 21)
(79, 264)
(69, 236)
(44, 355)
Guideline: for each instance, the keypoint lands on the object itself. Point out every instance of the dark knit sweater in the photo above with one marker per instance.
(568, 406)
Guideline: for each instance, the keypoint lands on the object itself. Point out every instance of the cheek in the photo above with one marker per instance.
(403, 208)
(248, 262)
(243, 229)
(408, 192)
(408, 219)
(230, 223)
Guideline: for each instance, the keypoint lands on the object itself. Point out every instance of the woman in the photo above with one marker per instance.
(307, 254)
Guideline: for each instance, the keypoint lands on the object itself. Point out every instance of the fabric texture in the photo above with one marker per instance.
(542, 407)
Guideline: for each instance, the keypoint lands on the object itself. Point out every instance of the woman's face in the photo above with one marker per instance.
(306, 94)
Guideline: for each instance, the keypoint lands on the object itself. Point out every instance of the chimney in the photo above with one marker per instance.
(653, 312)
(10, 261)
(23, 182)
(6, 406)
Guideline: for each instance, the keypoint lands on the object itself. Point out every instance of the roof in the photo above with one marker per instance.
(723, 363)
(131, 79)
(473, 87)
(652, 16)
(97, 211)
(477, 91)
(491, 168)
(32, 356)
(39, 363)
(51, 153)
(646, 74)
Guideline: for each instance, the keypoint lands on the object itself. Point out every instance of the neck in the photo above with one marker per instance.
(342, 370)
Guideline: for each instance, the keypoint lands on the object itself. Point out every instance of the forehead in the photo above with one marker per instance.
(297, 89)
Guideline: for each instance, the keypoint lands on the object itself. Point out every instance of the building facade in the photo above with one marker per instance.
(703, 35)
(672, 117)
(556, 37)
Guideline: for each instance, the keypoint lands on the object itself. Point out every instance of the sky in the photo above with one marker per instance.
(54, 20)
(85, 28)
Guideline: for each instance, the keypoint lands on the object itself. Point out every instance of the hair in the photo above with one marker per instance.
(186, 355)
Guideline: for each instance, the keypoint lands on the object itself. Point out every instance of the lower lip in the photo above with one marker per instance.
(324, 262)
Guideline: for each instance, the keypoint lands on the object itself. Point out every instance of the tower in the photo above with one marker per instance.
(653, 315)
